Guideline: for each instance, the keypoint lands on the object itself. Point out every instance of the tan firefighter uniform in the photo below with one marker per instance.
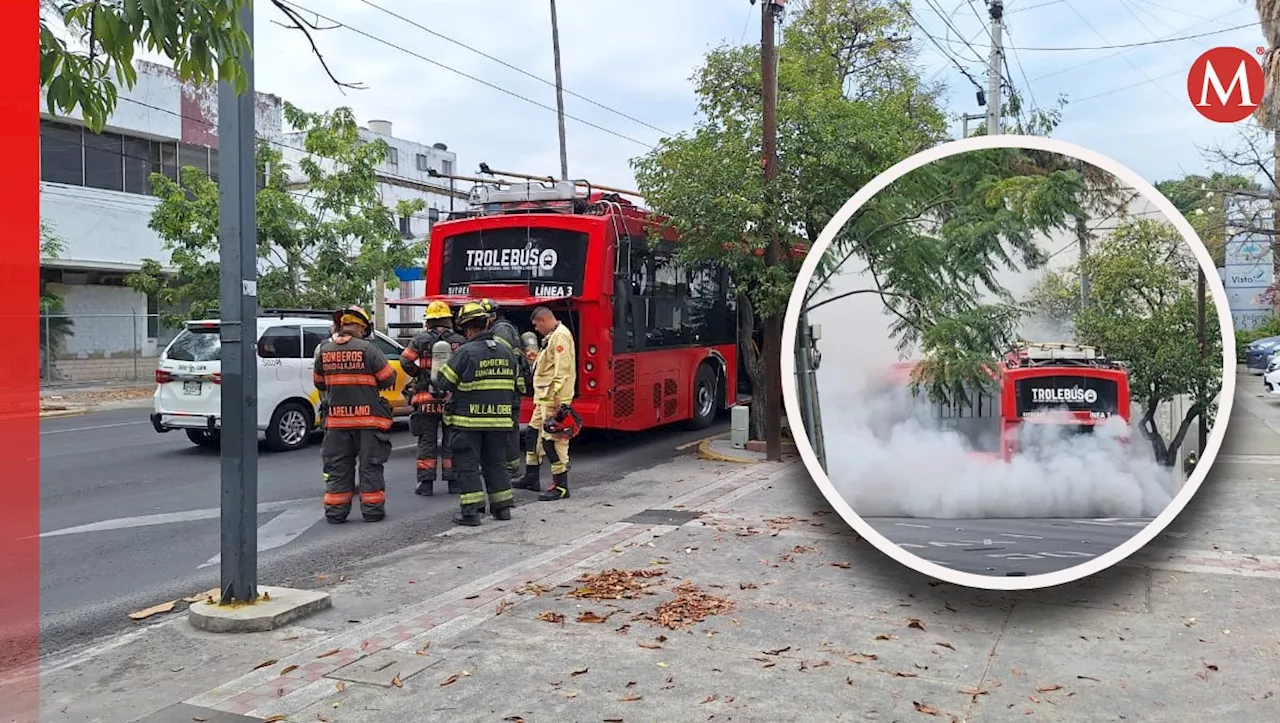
(555, 375)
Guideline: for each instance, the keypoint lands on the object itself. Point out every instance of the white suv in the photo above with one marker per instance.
(189, 377)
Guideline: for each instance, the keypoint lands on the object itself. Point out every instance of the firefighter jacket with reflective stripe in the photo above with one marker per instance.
(505, 331)
(349, 372)
(555, 371)
(416, 358)
(482, 380)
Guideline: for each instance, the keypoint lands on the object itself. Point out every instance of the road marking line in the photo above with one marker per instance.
(281, 529)
(92, 427)
(163, 518)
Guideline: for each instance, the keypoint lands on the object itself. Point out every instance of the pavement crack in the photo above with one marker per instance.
(991, 659)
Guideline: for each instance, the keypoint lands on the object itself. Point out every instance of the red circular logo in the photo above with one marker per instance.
(1225, 84)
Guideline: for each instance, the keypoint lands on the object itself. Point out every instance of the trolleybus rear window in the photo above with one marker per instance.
(1040, 395)
(552, 261)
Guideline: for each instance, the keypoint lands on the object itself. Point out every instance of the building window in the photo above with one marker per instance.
(406, 227)
(195, 156)
(164, 159)
(446, 167)
(61, 153)
(424, 163)
(137, 165)
(104, 161)
(393, 156)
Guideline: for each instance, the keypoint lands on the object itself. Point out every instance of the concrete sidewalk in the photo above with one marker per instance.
(804, 621)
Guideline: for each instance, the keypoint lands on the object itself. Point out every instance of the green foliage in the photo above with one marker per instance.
(55, 326)
(204, 39)
(1270, 327)
(1142, 309)
(934, 241)
(321, 247)
(1202, 201)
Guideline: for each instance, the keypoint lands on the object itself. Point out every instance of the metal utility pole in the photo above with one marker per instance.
(964, 122)
(994, 62)
(807, 360)
(1203, 428)
(555, 50)
(238, 227)
(769, 10)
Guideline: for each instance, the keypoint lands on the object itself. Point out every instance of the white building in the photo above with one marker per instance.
(95, 195)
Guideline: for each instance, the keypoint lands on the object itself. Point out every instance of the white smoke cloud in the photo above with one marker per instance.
(888, 459)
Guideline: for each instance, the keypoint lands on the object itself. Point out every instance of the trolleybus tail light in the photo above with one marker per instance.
(163, 377)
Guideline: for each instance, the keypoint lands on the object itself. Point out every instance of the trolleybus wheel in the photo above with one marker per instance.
(705, 385)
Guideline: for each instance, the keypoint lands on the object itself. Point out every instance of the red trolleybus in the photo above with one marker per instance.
(656, 341)
(1063, 384)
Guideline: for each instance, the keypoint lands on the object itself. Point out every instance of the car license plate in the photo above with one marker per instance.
(192, 388)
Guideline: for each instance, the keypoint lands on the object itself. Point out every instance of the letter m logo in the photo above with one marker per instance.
(1225, 84)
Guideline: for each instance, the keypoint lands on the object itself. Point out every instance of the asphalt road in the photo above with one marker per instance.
(1003, 547)
(129, 516)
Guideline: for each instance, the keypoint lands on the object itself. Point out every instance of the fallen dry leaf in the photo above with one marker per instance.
(341, 686)
(551, 616)
(623, 630)
(861, 658)
(915, 623)
(275, 718)
(1048, 688)
(803, 549)
(1086, 677)
(423, 650)
(502, 607)
(690, 607)
(153, 610)
(776, 651)
(710, 699)
(747, 586)
(471, 597)
(288, 670)
(631, 698)
(841, 565)
(1211, 666)
(531, 589)
(822, 663)
(590, 617)
(571, 694)
(450, 680)
(615, 584)
(265, 664)
(650, 646)
(886, 636)
(397, 682)
(901, 674)
(948, 646)
(580, 672)
(925, 708)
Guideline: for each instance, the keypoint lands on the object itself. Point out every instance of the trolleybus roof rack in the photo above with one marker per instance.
(1055, 353)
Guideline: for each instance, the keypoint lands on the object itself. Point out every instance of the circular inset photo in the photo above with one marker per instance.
(1013, 363)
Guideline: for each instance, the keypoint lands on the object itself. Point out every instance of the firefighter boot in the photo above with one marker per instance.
(561, 489)
(532, 479)
(425, 488)
(468, 519)
(502, 513)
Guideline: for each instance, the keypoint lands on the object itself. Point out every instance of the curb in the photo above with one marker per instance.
(54, 414)
(705, 452)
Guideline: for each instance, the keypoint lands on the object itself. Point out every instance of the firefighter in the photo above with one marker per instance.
(555, 372)
(481, 379)
(427, 420)
(349, 371)
(505, 331)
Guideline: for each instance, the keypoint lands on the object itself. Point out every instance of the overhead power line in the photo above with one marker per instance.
(944, 52)
(464, 74)
(505, 64)
(1159, 41)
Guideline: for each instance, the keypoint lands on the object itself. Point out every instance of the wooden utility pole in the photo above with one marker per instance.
(555, 50)
(772, 397)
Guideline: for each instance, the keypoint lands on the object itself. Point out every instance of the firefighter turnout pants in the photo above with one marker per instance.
(433, 447)
(340, 451)
(481, 468)
(513, 441)
(541, 444)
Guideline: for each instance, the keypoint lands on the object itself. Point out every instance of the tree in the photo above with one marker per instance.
(1142, 308)
(322, 248)
(87, 47)
(932, 243)
(1202, 200)
(1268, 112)
(55, 326)
(850, 104)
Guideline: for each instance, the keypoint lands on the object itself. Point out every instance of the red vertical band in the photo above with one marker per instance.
(20, 365)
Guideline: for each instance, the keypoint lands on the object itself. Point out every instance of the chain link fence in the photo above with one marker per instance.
(100, 347)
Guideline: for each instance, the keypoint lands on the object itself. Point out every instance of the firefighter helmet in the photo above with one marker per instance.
(490, 306)
(437, 310)
(565, 424)
(473, 311)
(354, 315)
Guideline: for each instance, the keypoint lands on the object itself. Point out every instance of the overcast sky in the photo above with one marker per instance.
(637, 58)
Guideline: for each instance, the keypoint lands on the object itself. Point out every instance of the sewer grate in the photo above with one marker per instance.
(383, 667)
(664, 517)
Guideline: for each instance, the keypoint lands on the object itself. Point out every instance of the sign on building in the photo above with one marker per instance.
(1248, 271)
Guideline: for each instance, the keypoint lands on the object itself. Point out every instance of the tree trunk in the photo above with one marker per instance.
(1176, 443)
(751, 363)
(1152, 433)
